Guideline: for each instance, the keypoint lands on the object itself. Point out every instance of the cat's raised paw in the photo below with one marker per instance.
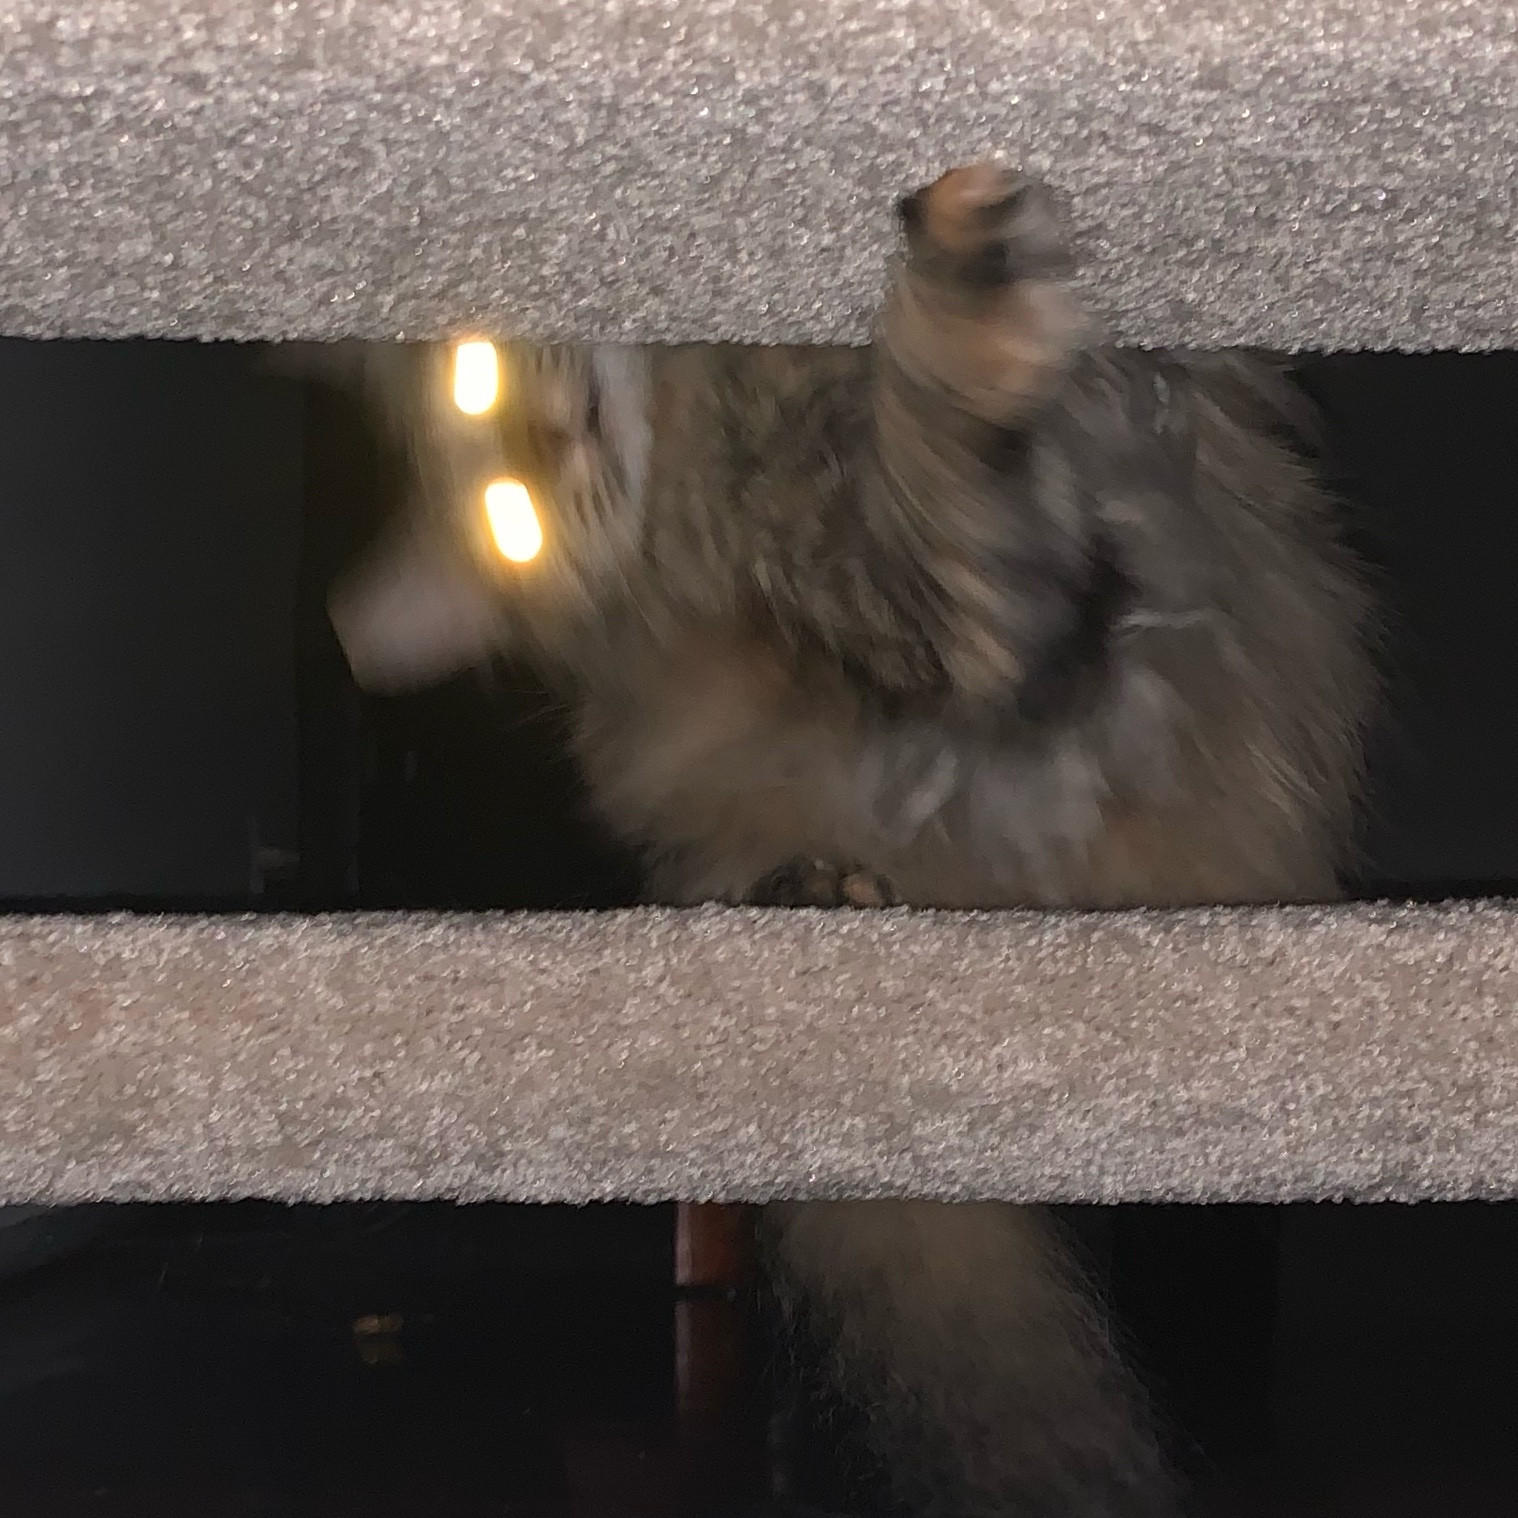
(985, 225)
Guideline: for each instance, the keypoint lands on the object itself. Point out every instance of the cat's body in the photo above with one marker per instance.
(985, 615)
(1161, 712)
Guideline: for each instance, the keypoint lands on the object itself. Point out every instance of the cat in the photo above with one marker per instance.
(987, 614)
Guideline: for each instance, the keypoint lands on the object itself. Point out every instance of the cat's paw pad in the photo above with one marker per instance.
(862, 888)
(817, 883)
(985, 225)
(800, 883)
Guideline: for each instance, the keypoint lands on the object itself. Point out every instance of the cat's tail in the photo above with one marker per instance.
(984, 1376)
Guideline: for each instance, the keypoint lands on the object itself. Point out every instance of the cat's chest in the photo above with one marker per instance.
(717, 739)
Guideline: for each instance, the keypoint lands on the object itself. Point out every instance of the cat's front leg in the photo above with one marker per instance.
(995, 554)
(981, 312)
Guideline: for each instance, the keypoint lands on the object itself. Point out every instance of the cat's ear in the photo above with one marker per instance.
(411, 614)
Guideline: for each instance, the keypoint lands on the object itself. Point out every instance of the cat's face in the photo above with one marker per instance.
(523, 510)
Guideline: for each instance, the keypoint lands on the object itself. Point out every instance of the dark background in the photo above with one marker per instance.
(178, 723)
(177, 728)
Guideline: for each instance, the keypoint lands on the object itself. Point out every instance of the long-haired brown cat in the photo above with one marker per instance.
(985, 615)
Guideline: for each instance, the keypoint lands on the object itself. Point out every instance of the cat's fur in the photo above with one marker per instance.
(986, 615)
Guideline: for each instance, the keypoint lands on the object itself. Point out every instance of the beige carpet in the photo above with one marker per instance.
(1303, 174)
(1367, 1052)
(1298, 173)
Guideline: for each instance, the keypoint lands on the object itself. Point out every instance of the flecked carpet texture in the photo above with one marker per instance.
(1365, 1052)
(1297, 173)
(1300, 174)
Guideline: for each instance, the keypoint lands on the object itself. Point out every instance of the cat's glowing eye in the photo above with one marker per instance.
(513, 519)
(476, 377)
